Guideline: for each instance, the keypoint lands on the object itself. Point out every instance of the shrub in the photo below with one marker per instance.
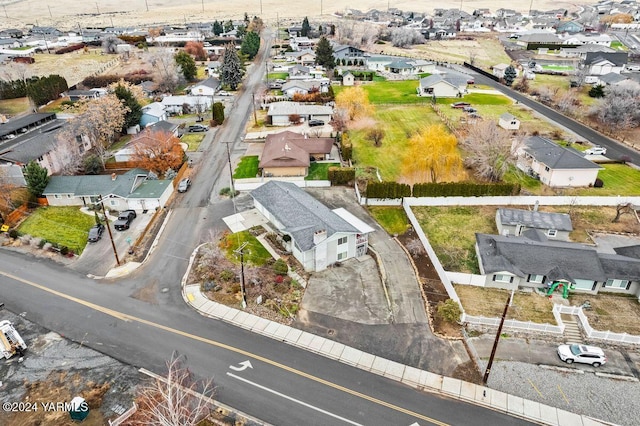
(341, 176)
(69, 49)
(226, 275)
(41, 243)
(64, 250)
(449, 311)
(388, 190)
(599, 183)
(235, 288)
(227, 191)
(13, 234)
(280, 267)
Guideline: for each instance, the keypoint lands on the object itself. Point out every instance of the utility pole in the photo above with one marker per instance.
(230, 169)
(5, 11)
(202, 6)
(106, 220)
(255, 115)
(495, 343)
(97, 8)
(260, 7)
(50, 15)
(240, 250)
(146, 4)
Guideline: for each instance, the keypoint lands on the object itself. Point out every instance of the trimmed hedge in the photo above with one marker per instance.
(346, 148)
(105, 80)
(71, 48)
(387, 190)
(464, 189)
(341, 175)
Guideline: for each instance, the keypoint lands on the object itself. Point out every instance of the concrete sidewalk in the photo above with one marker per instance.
(410, 376)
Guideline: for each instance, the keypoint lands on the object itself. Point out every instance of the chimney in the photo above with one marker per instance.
(113, 176)
(319, 236)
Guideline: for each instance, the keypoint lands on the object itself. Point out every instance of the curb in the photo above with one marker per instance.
(410, 376)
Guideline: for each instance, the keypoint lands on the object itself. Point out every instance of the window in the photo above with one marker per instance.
(342, 255)
(617, 284)
(342, 240)
(552, 232)
(546, 168)
(535, 278)
(58, 196)
(113, 203)
(79, 138)
(501, 278)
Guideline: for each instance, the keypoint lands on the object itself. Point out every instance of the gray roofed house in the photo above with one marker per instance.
(447, 85)
(555, 165)
(516, 221)
(207, 87)
(131, 190)
(279, 112)
(611, 79)
(28, 122)
(518, 262)
(164, 126)
(319, 236)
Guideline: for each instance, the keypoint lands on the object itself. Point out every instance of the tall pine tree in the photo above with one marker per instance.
(306, 28)
(231, 72)
(217, 28)
(187, 65)
(250, 44)
(37, 178)
(324, 54)
(129, 100)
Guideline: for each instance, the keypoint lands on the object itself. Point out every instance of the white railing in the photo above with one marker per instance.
(595, 334)
(249, 184)
(527, 200)
(514, 324)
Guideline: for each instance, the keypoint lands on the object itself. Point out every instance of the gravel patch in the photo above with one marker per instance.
(582, 392)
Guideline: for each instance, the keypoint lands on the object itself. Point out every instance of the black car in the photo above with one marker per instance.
(314, 123)
(95, 233)
(124, 220)
(198, 128)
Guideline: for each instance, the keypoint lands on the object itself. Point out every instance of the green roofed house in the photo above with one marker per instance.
(132, 190)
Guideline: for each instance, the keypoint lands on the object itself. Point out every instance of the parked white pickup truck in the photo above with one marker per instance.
(10, 341)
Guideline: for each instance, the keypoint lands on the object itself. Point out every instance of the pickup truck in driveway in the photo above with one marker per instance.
(124, 220)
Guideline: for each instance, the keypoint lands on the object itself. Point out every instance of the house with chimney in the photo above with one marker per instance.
(317, 236)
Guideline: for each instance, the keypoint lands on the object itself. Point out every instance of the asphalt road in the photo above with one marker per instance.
(142, 320)
(615, 150)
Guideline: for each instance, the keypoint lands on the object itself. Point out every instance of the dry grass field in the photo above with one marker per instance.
(70, 13)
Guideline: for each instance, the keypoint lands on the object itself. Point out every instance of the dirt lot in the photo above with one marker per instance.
(619, 314)
(56, 370)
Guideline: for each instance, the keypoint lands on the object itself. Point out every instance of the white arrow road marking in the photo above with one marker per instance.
(243, 366)
(293, 399)
(414, 424)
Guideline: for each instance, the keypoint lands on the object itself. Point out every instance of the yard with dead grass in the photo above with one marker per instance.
(490, 302)
(609, 312)
(74, 66)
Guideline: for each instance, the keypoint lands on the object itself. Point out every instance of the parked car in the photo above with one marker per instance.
(583, 354)
(596, 150)
(184, 185)
(124, 220)
(223, 93)
(471, 81)
(314, 123)
(95, 233)
(460, 105)
(198, 128)
(469, 109)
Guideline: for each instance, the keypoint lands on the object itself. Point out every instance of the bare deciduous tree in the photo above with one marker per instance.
(178, 399)
(166, 72)
(619, 107)
(376, 135)
(340, 119)
(359, 34)
(491, 150)
(405, 37)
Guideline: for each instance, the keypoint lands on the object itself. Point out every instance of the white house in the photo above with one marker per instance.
(554, 165)
(152, 113)
(508, 121)
(302, 87)
(448, 85)
(279, 113)
(208, 87)
(317, 236)
(175, 104)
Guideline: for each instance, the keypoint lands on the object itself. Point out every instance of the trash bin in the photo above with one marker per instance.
(79, 409)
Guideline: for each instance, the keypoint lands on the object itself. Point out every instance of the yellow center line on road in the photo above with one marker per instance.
(128, 318)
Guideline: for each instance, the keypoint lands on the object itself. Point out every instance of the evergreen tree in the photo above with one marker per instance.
(250, 45)
(92, 165)
(127, 98)
(246, 18)
(218, 113)
(217, 28)
(306, 28)
(37, 178)
(231, 72)
(228, 26)
(597, 91)
(324, 54)
(510, 75)
(187, 65)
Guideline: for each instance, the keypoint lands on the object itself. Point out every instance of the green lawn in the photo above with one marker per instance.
(320, 171)
(553, 67)
(392, 219)
(451, 232)
(399, 123)
(618, 45)
(478, 99)
(193, 140)
(66, 226)
(278, 75)
(515, 175)
(391, 92)
(619, 179)
(14, 106)
(120, 143)
(247, 168)
(254, 251)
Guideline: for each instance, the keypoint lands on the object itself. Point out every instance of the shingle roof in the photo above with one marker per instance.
(93, 185)
(455, 80)
(16, 124)
(34, 144)
(617, 58)
(162, 125)
(290, 149)
(554, 259)
(535, 219)
(211, 82)
(300, 214)
(288, 108)
(555, 156)
(507, 117)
